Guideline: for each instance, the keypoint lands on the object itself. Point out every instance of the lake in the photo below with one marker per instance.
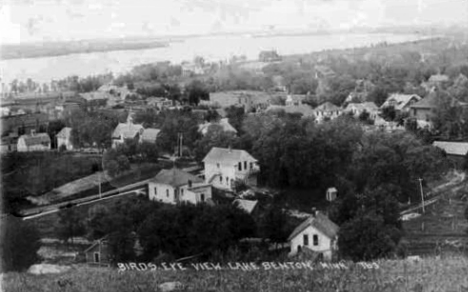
(213, 48)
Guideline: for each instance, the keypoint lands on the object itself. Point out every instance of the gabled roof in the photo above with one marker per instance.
(227, 156)
(452, 148)
(321, 223)
(367, 106)
(150, 135)
(224, 123)
(175, 177)
(433, 100)
(65, 133)
(327, 107)
(35, 139)
(246, 205)
(438, 78)
(127, 130)
(399, 101)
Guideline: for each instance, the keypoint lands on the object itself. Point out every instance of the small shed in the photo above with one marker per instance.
(98, 253)
(331, 194)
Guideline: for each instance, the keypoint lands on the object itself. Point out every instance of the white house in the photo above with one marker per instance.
(317, 233)
(124, 131)
(358, 108)
(224, 166)
(327, 110)
(64, 138)
(175, 186)
(224, 123)
(33, 142)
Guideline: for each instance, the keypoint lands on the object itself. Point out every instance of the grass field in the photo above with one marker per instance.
(446, 274)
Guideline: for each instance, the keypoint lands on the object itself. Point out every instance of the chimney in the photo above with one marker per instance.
(314, 212)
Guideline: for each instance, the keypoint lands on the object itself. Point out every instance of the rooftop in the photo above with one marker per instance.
(246, 205)
(320, 222)
(227, 156)
(452, 148)
(35, 139)
(176, 177)
(64, 133)
(150, 135)
(127, 130)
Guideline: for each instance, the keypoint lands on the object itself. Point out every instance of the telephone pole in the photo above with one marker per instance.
(422, 194)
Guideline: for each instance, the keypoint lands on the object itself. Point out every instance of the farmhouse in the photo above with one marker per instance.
(223, 167)
(64, 138)
(174, 186)
(317, 233)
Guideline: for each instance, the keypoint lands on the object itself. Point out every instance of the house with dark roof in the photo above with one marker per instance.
(225, 166)
(426, 108)
(174, 186)
(317, 233)
(34, 142)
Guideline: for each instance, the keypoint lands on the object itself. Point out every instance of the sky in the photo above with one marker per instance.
(60, 20)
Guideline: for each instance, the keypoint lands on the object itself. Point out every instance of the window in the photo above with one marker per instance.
(202, 197)
(245, 165)
(306, 239)
(227, 181)
(167, 193)
(240, 166)
(217, 164)
(251, 165)
(316, 240)
(221, 179)
(189, 183)
(181, 192)
(155, 191)
(96, 257)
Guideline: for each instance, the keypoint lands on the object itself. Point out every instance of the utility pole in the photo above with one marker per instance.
(422, 194)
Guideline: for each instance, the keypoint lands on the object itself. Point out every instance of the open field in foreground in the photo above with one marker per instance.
(443, 274)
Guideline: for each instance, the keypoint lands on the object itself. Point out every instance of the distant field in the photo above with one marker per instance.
(431, 274)
(49, 49)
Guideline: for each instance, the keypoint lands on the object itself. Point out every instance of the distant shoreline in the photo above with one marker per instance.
(55, 49)
(63, 48)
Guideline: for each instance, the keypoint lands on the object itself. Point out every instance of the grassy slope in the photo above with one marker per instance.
(430, 274)
(443, 223)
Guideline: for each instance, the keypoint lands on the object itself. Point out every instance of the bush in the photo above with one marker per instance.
(20, 244)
